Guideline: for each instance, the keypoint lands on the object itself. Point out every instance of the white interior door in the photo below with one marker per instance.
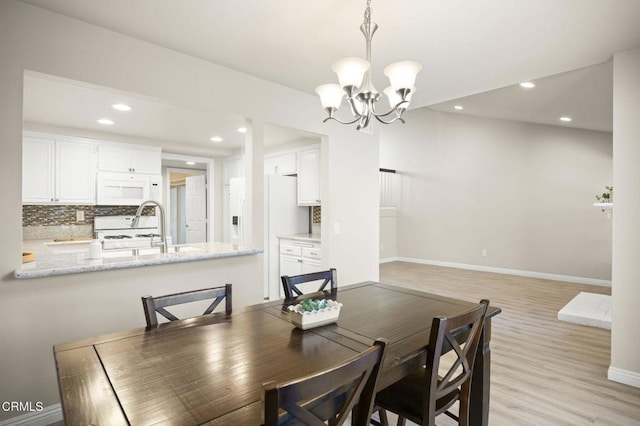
(196, 211)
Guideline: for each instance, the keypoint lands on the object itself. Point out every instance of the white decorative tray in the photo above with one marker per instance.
(306, 320)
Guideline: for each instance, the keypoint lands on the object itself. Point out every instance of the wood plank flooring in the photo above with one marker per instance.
(544, 372)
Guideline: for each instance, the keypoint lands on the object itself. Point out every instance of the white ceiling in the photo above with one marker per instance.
(585, 95)
(466, 48)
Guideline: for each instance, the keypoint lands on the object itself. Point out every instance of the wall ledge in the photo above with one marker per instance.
(521, 273)
(625, 377)
(50, 414)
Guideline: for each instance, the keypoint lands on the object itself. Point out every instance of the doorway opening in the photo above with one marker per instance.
(187, 206)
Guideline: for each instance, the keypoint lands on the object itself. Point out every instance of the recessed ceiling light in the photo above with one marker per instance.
(242, 129)
(565, 119)
(216, 139)
(191, 163)
(121, 107)
(105, 121)
(527, 85)
(458, 107)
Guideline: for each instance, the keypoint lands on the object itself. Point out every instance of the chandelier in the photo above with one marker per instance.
(354, 76)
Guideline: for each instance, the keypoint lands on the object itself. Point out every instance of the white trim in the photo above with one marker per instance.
(50, 414)
(626, 377)
(389, 259)
(530, 274)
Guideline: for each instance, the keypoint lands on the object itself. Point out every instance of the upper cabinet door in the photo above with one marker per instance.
(283, 164)
(58, 171)
(309, 177)
(147, 161)
(75, 173)
(115, 158)
(37, 170)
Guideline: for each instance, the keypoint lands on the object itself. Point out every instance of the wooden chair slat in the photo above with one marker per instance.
(329, 395)
(290, 282)
(156, 305)
(438, 393)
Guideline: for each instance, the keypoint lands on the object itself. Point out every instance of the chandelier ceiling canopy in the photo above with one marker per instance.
(354, 76)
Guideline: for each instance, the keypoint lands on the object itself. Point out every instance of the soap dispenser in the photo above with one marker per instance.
(95, 249)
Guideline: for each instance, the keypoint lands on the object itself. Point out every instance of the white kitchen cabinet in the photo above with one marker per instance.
(38, 170)
(281, 164)
(58, 171)
(309, 177)
(301, 257)
(129, 159)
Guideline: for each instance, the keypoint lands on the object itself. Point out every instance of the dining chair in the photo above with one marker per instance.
(153, 305)
(290, 283)
(327, 395)
(424, 394)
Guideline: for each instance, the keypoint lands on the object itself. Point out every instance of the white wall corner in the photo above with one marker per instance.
(48, 415)
(626, 377)
(389, 259)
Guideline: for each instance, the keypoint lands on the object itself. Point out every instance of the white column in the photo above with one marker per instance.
(625, 339)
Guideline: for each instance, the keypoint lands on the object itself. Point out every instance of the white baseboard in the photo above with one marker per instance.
(626, 377)
(530, 274)
(49, 414)
(389, 259)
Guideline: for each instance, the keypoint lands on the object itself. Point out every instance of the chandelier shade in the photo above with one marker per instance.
(395, 99)
(402, 75)
(354, 77)
(350, 71)
(330, 95)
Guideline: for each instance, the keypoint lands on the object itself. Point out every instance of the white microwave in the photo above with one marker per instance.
(127, 189)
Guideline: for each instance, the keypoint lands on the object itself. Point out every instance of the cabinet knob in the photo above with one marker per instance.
(299, 260)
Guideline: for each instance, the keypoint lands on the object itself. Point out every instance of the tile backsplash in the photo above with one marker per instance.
(33, 215)
(50, 222)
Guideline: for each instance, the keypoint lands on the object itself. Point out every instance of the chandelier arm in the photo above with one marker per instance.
(398, 118)
(397, 109)
(354, 108)
(340, 121)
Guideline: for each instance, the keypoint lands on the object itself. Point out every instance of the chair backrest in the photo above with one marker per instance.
(290, 283)
(330, 394)
(460, 334)
(153, 305)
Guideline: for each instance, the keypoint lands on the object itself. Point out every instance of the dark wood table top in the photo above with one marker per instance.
(210, 369)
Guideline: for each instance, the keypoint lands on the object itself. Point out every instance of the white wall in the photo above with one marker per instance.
(388, 234)
(524, 192)
(41, 312)
(625, 339)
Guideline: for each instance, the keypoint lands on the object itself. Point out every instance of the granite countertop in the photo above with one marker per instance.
(60, 259)
(312, 238)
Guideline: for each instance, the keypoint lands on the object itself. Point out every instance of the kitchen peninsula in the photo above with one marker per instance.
(54, 260)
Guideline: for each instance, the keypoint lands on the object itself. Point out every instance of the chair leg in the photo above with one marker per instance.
(402, 421)
(382, 415)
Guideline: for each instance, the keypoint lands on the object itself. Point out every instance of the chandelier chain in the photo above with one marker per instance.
(367, 13)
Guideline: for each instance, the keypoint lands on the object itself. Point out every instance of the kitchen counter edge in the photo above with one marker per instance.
(72, 263)
(313, 238)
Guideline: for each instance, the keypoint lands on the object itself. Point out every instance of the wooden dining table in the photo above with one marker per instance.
(210, 369)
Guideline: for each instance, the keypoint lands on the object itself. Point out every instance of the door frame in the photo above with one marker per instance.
(209, 173)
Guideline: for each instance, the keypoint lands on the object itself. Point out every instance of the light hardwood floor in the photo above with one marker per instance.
(544, 372)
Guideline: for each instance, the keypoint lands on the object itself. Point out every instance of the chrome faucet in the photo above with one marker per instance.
(163, 237)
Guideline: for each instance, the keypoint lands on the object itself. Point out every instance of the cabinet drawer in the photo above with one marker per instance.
(313, 253)
(290, 250)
